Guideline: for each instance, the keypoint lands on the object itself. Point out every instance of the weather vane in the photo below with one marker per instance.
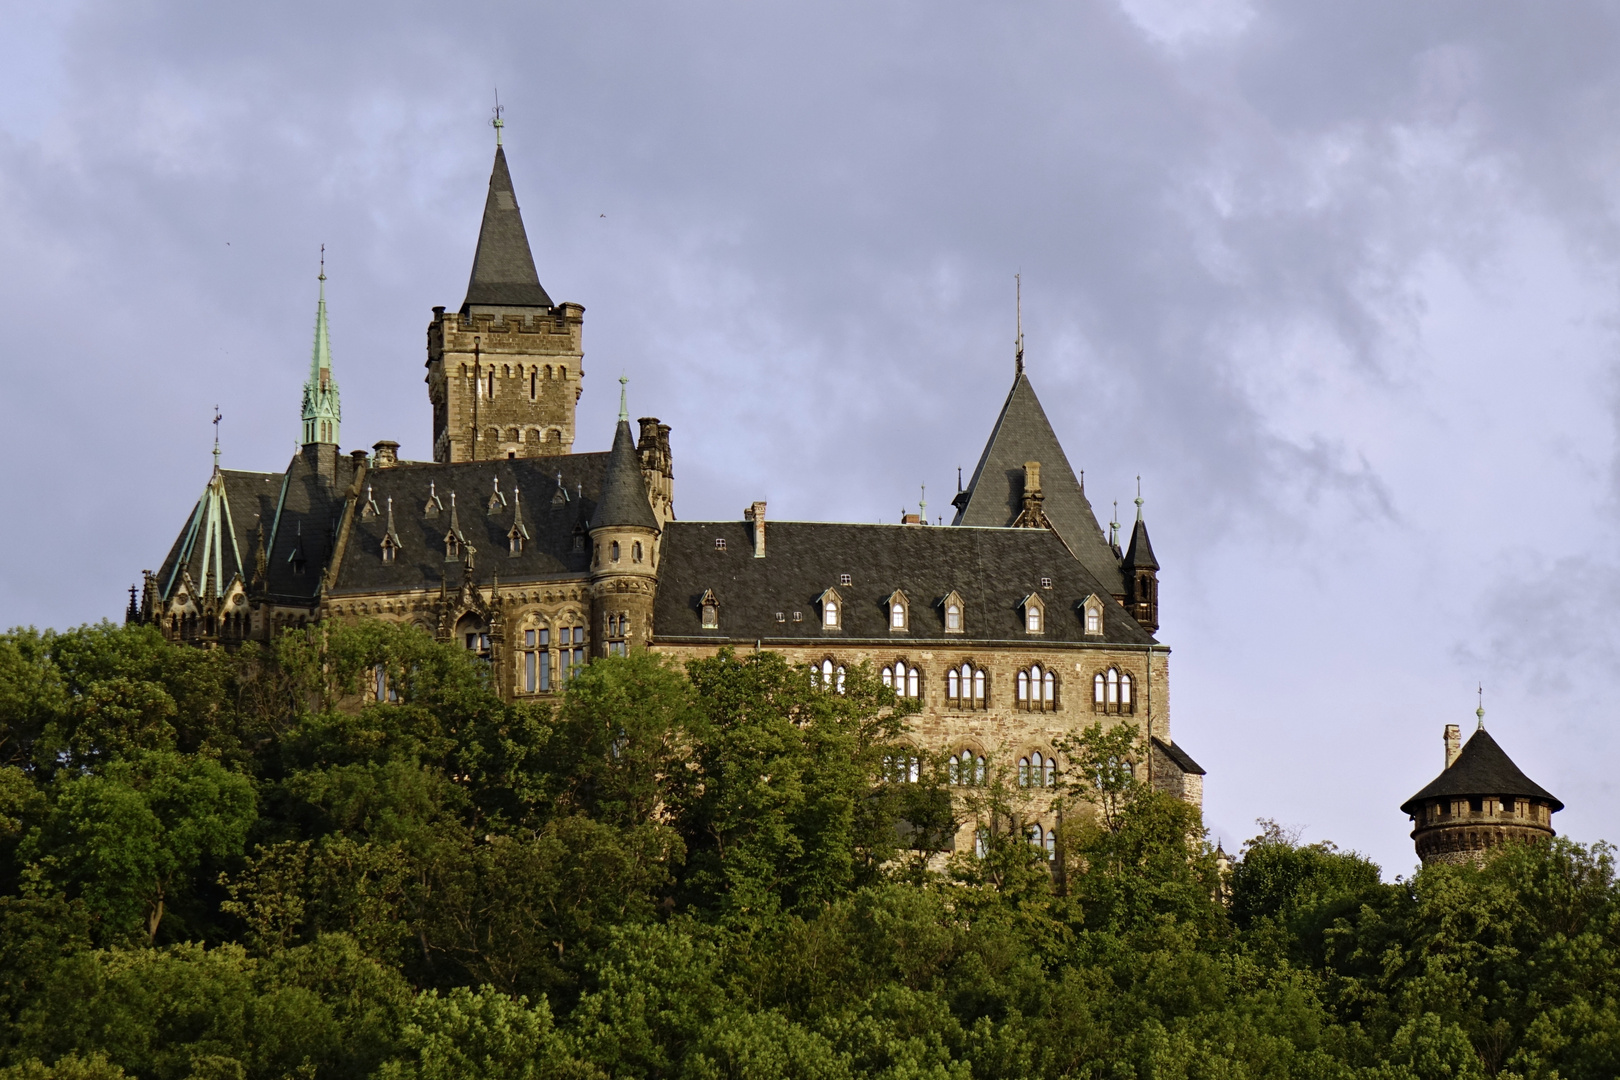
(497, 123)
(217, 418)
(1018, 358)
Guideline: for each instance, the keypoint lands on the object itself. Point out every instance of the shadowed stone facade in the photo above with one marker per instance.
(1018, 624)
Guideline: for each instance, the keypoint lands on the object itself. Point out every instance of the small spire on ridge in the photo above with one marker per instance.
(624, 405)
(1018, 357)
(1480, 712)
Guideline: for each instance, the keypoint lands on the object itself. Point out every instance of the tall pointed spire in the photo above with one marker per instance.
(503, 273)
(322, 410)
(624, 499)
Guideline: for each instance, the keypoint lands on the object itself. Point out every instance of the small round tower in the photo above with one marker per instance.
(624, 550)
(1479, 803)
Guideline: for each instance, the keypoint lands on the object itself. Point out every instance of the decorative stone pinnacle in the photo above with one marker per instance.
(624, 405)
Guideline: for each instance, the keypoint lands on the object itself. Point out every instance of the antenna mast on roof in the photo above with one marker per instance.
(1018, 357)
(497, 123)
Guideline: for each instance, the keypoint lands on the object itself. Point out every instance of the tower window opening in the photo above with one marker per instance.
(635, 551)
(534, 389)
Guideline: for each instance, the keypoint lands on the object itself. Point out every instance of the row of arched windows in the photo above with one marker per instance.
(1042, 839)
(968, 686)
(1037, 770)
(1112, 691)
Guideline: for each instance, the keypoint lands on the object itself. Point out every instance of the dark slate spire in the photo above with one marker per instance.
(1139, 556)
(503, 272)
(995, 495)
(624, 492)
(1483, 768)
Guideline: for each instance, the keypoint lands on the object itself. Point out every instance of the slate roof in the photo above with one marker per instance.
(624, 491)
(1483, 768)
(1182, 759)
(1140, 554)
(993, 570)
(995, 496)
(552, 513)
(503, 273)
(302, 526)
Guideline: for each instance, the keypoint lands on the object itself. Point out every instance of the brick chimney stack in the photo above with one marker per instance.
(1453, 743)
(756, 514)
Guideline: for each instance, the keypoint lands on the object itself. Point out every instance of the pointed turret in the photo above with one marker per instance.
(624, 490)
(503, 273)
(518, 535)
(1142, 571)
(997, 496)
(624, 548)
(322, 410)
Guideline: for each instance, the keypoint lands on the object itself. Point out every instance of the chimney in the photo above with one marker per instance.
(1453, 743)
(385, 454)
(1032, 478)
(910, 519)
(756, 514)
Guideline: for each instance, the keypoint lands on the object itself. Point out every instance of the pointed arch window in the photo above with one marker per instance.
(832, 610)
(1037, 689)
(967, 768)
(1091, 616)
(829, 675)
(899, 611)
(967, 686)
(1113, 691)
(1034, 615)
(904, 679)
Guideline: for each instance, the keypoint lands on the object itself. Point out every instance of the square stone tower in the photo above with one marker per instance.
(504, 372)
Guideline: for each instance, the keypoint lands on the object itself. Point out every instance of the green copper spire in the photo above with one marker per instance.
(322, 411)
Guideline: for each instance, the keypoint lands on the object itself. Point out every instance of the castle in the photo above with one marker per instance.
(1018, 623)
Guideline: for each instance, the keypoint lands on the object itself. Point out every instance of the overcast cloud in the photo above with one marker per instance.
(1338, 281)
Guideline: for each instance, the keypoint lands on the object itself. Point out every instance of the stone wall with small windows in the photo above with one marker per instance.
(504, 386)
(1000, 732)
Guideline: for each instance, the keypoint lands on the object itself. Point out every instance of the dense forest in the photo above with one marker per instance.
(230, 865)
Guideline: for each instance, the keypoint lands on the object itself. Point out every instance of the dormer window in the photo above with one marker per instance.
(832, 610)
(953, 612)
(389, 549)
(710, 607)
(1034, 615)
(1091, 616)
(899, 611)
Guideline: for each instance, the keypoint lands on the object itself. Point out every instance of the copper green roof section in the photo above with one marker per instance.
(322, 410)
(503, 273)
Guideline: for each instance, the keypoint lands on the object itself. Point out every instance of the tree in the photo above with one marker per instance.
(126, 837)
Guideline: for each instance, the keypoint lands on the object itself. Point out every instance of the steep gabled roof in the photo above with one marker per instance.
(992, 571)
(1483, 768)
(503, 273)
(995, 495)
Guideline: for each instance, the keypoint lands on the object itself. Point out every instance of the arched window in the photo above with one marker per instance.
(1051, 844)
(897, 615)
(965, 687)
(967, 769)
(635, 551)
(1037, 837)
(826, 673)
(1037, 689)
(953, 617)
(913, 683)
(1093, 619)
(838, 675)
(562, 373)
(1037, 770)
(1023, 772)
(1051, 772)
(1114, 691)
(829, 613)
(613, 551)
(534, 387)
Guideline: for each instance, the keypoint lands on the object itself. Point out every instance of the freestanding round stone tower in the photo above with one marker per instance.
(1479, 803)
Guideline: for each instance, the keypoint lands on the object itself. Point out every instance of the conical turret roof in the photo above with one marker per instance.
(503, 273)
(994, 497)
(1482, 768)
(1139, 556)
(624, 492)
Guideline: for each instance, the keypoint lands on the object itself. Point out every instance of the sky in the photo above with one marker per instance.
(1338, 282)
